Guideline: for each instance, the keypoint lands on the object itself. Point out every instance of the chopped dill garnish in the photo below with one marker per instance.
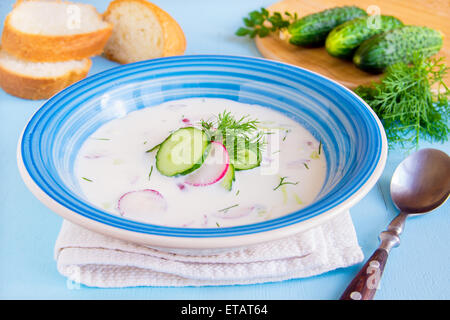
(87, 179)
(320, 147)
(237, 135)
(306, 165)
(286, 133)
(145, 142)
(237, 192)
(226, 124)
(283, 182)
(217, 224)
(228, 208)
(314, 155)
(102, 139)
(150, 174)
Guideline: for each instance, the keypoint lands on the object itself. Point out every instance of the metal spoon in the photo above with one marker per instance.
(420, 183)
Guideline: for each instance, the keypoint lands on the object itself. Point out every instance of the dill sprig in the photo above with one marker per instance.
(240, 136)
(228, 208)
(283, 182)
(262, 23)
(235, 134)
(150, 173)
(226, 122)
(102, 139)
(406, 104)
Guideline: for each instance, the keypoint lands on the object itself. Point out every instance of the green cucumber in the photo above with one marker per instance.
(244, 154)
(397, 45)
(313, 29)
(182, 152)
(227, 180)
(245, 159)
(343, 40)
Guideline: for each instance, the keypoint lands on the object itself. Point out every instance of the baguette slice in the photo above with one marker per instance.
(39, 80)
(141, 31)
(50, 31)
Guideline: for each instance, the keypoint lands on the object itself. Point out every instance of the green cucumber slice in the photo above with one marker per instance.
(244, 155)
(227, 180)
(247, 159)
(182, 152)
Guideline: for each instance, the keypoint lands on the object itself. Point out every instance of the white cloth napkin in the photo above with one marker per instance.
(96, 260)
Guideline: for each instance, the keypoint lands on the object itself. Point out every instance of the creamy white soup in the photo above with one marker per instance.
(127, 168)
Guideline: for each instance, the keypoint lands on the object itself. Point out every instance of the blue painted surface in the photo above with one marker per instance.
(418, 269)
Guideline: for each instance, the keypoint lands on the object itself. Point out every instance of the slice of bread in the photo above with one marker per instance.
(39, 80)
(50, 31)
(141, 31)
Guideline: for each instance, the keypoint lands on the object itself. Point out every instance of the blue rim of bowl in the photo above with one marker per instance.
(379, 147)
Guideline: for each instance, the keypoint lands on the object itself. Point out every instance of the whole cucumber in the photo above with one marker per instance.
(397, 45)
(343, 40)
(313, 29)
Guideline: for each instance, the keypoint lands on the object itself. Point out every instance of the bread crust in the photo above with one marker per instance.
(174, 39)
(49, 48)
(32, 88)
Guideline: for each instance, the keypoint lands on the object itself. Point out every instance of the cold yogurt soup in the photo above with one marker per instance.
(201, 163)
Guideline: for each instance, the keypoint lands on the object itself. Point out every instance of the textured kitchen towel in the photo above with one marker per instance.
(96, 260)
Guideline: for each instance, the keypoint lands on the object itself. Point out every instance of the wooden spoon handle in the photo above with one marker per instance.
(365, 284)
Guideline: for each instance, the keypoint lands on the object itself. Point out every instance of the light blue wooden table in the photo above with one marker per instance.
(418, 269)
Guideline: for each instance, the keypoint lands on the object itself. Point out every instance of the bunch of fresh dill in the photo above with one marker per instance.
(412, 101)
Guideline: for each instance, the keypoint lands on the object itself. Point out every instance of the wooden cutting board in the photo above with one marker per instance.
(431, 13)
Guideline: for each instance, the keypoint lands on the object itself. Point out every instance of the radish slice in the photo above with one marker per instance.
(181, 186)
(186, 122)
(213, 169)
(141, 203)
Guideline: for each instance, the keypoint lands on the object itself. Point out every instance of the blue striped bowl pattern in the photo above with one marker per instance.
(353, 139)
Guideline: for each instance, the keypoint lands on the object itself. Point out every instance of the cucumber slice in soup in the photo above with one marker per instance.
(244, 155)
(246, 159)
(227, 180)
(182, 152)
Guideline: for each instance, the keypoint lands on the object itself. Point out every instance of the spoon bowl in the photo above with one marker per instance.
(421, 182)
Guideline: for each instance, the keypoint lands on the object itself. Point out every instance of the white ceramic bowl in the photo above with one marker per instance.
(353, 138)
